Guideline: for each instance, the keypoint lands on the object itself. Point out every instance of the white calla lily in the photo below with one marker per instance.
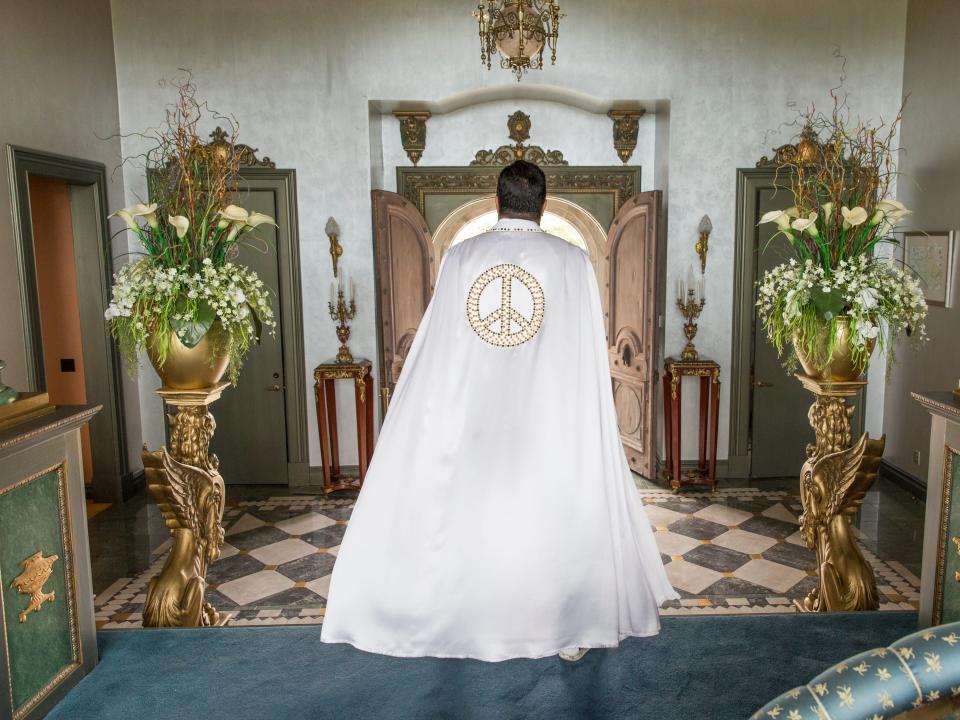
(127, 217)
(780, 217)
(889, 205)
(807, 224)
(181, 224)
(826, 209)
(854, 217)
(256, 219)
(147, 212)
(234, 214)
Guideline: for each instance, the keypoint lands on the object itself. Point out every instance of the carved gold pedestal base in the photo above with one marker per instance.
(189, 491)
(833, 482)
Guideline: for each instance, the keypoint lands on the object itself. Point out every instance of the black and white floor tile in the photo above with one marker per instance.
(735, 551)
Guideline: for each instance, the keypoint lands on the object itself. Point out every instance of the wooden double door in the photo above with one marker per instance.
(629, 270)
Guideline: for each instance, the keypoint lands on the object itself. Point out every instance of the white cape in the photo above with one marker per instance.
(499, 518)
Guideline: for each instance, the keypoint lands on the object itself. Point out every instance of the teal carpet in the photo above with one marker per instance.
(712, 668)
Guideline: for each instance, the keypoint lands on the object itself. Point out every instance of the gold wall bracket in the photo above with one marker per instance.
(833, 483)
(413, 132)
(626, 130)
(189, 491)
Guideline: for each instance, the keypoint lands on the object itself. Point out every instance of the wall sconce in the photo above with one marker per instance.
(704, 228)
(336, 249)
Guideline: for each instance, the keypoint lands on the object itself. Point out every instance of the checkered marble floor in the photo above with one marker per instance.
(731, 552)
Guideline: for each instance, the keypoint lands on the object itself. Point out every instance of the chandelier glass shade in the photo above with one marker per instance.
(520, 31)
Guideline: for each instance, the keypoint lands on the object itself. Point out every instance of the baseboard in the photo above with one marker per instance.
(133, 483)
(911, 483)
(314, 477)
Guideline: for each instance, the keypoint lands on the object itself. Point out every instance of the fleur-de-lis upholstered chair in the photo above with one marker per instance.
(917, 676)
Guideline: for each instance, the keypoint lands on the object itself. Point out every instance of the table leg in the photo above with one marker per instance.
(321, 396)
(331, 392)
(704, 406)
(676, 400)
(363, 399)
(714, 415)
(667, 428)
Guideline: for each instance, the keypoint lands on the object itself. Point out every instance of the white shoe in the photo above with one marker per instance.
(572, 654)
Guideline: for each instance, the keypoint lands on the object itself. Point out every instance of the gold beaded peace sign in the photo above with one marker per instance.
(506, 315)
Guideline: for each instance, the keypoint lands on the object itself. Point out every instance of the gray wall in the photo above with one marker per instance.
(302, 76)
(930, 185)
(59, 94)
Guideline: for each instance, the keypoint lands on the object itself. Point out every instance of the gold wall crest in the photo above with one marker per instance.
(37, 569)
(220, 143)
(518, 127)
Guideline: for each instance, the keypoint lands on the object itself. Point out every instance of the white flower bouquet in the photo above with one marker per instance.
(186, 288)
(879, 300)
(149, 300)
(837, 292)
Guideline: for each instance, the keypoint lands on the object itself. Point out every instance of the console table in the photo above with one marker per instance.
(47, 619)
(940, 572)
(325, 376)
(709, 373)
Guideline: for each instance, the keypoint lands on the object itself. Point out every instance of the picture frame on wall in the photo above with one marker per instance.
(929, 255)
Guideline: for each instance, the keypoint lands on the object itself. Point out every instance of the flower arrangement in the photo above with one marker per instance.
(840, 179)
(868, 291)
(150, 300)
(185, 287)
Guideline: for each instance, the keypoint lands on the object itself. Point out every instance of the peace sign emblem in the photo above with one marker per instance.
(505, 317)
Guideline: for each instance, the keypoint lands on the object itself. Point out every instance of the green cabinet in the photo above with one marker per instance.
(46, 598)
(940, 574)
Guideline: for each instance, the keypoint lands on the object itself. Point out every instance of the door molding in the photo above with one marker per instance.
(618, 182)
(291, 313)
(112, 479)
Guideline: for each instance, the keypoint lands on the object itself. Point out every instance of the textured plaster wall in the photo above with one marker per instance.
(930, 185)
(59, 94)
(301, 76)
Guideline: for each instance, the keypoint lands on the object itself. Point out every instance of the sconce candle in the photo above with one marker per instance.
(336, 249)
(704, 228)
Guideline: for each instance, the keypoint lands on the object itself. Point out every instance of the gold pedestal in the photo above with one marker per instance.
(189, 491)
(833, 483)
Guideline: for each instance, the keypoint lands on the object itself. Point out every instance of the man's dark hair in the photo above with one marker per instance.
(521, 189)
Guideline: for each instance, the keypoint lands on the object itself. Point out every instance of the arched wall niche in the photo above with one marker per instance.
(580, 221)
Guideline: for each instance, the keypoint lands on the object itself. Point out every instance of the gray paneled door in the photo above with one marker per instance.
(251, 435)
(780, 429)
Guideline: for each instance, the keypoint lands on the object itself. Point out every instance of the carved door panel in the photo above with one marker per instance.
(632, 309)
(403, 251)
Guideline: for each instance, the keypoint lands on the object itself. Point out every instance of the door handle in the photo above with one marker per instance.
(275, 388)
(761, 384)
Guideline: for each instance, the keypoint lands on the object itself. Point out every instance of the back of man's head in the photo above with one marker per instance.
(521, 190)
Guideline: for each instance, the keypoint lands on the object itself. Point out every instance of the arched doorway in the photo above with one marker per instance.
(561, 217)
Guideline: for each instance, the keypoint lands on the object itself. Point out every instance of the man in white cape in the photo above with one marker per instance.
(499, 518)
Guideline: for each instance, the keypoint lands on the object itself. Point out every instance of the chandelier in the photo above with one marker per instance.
(520, 30)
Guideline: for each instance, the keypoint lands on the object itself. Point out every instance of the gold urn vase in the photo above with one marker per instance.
(842, 366)
(188, 368)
